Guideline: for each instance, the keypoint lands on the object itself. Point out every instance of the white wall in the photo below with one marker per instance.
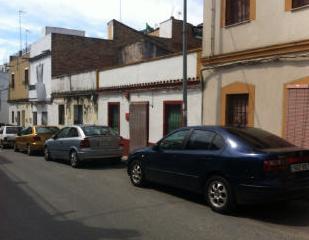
(155, 99)
(38, 48)
(153, 71)
(166, 29)
(273, 25)
(77, 82)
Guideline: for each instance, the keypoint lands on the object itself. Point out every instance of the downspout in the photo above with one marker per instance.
(212, 52)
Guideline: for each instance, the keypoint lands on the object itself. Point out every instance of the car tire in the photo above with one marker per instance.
(219, 196)
(47, 156)
(16, 148)
(74, 161)
(137, 174)
(29, 150)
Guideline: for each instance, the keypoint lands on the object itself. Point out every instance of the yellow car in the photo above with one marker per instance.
(33, 138)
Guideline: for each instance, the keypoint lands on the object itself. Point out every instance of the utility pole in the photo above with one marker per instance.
(20, 12)
(27, 31)
(120, 10)
(184, 52)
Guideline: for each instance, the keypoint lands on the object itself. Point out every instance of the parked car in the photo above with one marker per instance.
(8, 135)
(33, 138)
(80, 143)
(230, 166)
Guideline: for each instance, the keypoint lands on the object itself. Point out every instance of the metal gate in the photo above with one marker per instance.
(139, 125)
(297, 119)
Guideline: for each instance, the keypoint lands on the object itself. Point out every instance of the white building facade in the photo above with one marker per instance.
(143, 101)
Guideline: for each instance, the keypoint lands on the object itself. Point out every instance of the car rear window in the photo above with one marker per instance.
(42, 130)
(98, 130)
(259, 139)
(13, 130)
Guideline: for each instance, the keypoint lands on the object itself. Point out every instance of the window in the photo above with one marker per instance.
(258, 138)
(26, 76)
(13, 80)
(35, 118)
(98, 131)
(44, 118)
(26, 131)
(61, 114)
(201, 140)
(63, 133)
(237, 110)
(114, 116)
(299, 3)
(1, 131)
(18, 118)
(73, 133)
(42, 130)
(13, 130)
(78, 114)
(172, 116)
(236, 11)
(13, 117)
(174, 141)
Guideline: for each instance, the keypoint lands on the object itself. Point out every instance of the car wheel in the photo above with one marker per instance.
(29, 150)
(16, 148)
(74, 161)
(47, 156)
(137, 175)
(218, 194)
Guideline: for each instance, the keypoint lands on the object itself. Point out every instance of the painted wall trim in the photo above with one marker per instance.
(267, 51)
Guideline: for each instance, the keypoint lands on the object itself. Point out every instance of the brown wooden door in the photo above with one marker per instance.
(139, 125)
(297, 120)
(237, 110)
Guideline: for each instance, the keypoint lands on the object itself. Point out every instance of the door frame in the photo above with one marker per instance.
(109, 105)
(165, 104)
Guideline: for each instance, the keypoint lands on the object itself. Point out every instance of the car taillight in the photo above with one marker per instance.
(85, 143)
(36, 139)
(276, 165)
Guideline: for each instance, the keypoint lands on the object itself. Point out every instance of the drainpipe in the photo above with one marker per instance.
(213, 28)
(212, 52)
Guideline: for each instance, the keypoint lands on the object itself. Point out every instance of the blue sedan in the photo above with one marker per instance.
(230, 166)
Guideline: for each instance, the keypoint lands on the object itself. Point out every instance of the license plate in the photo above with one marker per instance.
(300, 167)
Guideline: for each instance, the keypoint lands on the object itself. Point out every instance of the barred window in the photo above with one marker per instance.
(237, 11)
(299, 3)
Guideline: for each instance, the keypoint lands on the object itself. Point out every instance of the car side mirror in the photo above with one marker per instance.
(54, 137)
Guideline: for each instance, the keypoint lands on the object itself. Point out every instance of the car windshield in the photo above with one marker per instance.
(13, 130)
(51, 130)
(259, 139)
(98, 130)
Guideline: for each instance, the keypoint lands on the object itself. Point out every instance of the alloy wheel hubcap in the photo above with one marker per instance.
(217, 194)
(73, 158)
(136, 173)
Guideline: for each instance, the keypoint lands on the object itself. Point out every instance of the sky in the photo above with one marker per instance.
(91, 16)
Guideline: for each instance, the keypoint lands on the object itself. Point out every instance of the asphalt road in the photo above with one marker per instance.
(51, 200)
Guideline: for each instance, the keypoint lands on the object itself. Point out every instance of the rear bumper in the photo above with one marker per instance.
(95, 154)
(254, 194)
(37, 146)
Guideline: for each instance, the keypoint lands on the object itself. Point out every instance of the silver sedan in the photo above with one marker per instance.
(81, 143)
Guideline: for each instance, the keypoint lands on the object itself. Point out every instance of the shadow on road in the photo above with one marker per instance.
(21, 217)
(294, 213)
